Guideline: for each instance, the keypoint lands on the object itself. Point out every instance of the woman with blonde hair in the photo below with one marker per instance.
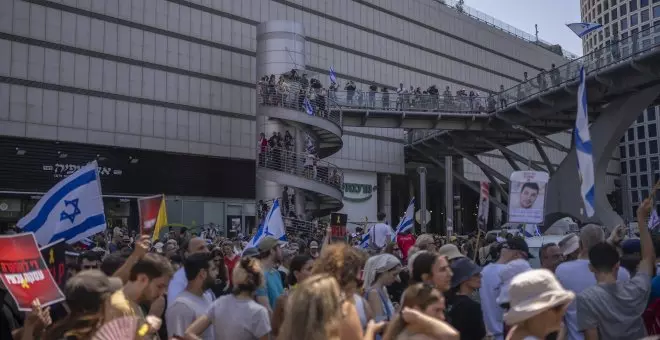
(422, 316)
(379, 272)
(344, 263)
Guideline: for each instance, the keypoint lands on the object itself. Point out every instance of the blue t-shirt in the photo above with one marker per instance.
(273, 288)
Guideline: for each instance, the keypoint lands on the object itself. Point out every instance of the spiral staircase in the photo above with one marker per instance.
(322, 185)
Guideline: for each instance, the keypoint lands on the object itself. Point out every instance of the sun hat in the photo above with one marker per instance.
(450, 251)
(533, 292)
(250, 252)
(463, 269)
(507, 274)
(569, 244)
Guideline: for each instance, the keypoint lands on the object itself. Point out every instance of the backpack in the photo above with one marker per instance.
(651, 318)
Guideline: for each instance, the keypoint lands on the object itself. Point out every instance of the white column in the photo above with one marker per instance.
(385, 197)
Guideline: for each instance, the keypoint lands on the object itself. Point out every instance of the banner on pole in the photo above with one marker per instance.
(484, 205)
(25, 273)
(151, 215)
(527, 196)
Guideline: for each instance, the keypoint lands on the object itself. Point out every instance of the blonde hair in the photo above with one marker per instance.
(419, 296)
(313, 310)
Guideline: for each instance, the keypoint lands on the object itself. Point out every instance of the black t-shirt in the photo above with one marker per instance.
(465, 315)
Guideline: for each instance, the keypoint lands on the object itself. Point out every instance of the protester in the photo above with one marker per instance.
(201, 271)
(612, 309)
(464, 313)
(179, 281)
(433, 269)
(237, 316)
(270, 255)
(380, 271)
(550, 256)
(299, 269)
(538, 303)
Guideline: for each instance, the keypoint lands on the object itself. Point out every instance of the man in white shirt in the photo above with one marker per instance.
(576, 276)
(179, 281)
(380, 234)
(493, 315)
(201, 272)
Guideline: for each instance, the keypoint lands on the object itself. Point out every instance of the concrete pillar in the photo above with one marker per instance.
(497, 218)
(385, 197)
(563, 194)
(300, 145)
(280, 48)
(449, 195)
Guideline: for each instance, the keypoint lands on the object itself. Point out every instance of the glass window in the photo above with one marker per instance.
(634, 196)
(645, 194)
(624, 167)
(614, 14)
(650, 114)
(624, 24)
(632, 164)
(606, 18)
(607, 32)
(623, 10)
(654, 163)
(645, 15)
(631, 151)
(643, 3)
(653, 130)
(633, 5)
(622, 151)
(642, 148)
(656, 12)
(631, 134)
(633, 181)
(634, 20)
(642, 165)
(641, 133)
(653, 146)
(624, 35)
(643, 181)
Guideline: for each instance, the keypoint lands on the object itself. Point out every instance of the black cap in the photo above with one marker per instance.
(518, 243)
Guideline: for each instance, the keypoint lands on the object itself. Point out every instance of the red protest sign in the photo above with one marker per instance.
(149, 208)
(25, 273)
(338, 226)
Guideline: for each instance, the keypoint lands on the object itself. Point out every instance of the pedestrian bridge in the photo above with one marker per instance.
(622, 80)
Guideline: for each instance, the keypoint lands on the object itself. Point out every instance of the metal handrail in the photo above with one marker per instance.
(301, 164)
(391, 101)
(614, 53)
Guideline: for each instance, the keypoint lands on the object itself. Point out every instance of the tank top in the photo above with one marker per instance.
(359, 306)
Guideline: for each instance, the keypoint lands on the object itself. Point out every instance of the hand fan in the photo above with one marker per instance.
(118, 329)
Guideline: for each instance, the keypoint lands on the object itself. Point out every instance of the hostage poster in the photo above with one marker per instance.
(25, 273)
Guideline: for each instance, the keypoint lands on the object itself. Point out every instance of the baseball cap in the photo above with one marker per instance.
(313, 245)
(267, 243)
(631, 246)
(518, 243)
(450, 251)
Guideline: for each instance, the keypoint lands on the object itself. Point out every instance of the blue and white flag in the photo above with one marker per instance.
(530, 230)
(72, 210)
(254, 241)
(333, 77)
(408, 220)
(583, 148)
(273, 223)
(308, 106)
(88, 242)
(654, 220)
(583, 28)
(364, 242)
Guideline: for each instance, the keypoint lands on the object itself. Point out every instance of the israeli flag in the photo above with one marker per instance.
(583, 148)
(333, 77)
(72, 210)
(273, 223)
(308, 107)
(364, 242)
(583, 28)
(254, 241)
(654, 220)
(87, 242)
(408, 220)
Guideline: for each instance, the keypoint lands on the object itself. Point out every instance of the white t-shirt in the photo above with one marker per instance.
(379, 234)
(491, 312)
(238, 319)
(178, 284)
(184, 311)
(576, 276)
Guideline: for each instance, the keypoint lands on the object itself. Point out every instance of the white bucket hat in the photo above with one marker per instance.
(507, 274)
(569, 244)
(533, 292)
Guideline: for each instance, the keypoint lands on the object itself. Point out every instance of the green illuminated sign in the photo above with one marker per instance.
(357, 192)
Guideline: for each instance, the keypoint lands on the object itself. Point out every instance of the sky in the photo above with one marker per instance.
(551, 16)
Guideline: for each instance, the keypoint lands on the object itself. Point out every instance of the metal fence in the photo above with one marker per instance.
(301, 164)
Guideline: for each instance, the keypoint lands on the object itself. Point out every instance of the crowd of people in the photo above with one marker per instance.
(394, 287)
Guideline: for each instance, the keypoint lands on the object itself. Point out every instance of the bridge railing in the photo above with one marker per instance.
(616, 52)
(391, 101)
(301, 164)
(292, 96)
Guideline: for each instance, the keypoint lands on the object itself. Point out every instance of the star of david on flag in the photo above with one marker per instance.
(583, 28)
(72, 210)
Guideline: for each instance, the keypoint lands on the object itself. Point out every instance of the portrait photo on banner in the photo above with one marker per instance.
(527, 196)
